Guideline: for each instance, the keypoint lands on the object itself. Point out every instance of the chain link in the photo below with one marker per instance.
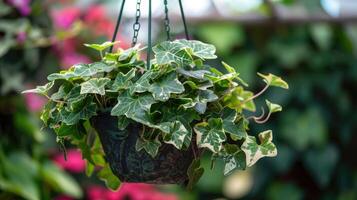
(167, 20)
(136, 25)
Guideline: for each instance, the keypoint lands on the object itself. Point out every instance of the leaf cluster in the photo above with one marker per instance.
(179, 101)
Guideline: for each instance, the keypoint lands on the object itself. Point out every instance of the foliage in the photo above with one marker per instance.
(177, 98)
(316, 134)
(26, 171)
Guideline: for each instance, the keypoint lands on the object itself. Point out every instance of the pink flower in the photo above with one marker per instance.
(23, 6)
(21, 37)
(65, 17)
(74, 162)
(133, 191)
(34, 102)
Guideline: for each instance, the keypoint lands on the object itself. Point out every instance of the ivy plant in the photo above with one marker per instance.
(179, 100)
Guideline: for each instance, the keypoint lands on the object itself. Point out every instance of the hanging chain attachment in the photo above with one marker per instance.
(136, 25)
(167, 20)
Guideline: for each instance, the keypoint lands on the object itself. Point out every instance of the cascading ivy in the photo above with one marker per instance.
(179, 98)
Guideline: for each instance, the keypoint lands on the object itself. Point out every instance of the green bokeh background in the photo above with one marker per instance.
(316, 134)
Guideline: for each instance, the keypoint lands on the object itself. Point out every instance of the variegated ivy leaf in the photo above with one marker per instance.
(100, 47)
(273, 80)
(129, 105)
(147, 119)
(273, 107)
(199, 103)
(43, 90)
(231, 70)
(123, 81)
(83, 109)
(254, 151)
(236, 129)
(128, 53)
(94, 86)
(163, 88)
(172, 52)
(199, 86)
(238, 99)
(81, 71)
(179, 135)
(197, 74)
(184, 116)
(210, 134)
(204, 97)
(233, 157)
(150, 146)
(141, 85)
(200, 49)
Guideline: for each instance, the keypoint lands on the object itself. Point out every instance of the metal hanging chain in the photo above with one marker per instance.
(136, 25)
(167, 20)
(149, 38)
(184, 20)
(117, 24)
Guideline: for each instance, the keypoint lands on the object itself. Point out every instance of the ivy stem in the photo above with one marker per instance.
(101, 54)
(263, 121)
(57, 101)
(256, 95)
(100, 104)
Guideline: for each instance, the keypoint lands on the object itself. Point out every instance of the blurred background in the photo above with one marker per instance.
(312, 44)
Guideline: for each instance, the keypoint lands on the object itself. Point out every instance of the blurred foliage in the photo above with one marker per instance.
(316, 134)
(26, 170)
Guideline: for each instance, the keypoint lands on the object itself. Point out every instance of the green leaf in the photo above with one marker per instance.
(199, 49)
(60, 181)
(184, 116)
(82, 71)
(237, 129)
(273, 80)
(150, 146)
(228, 68)
(179, 135)
(111, 181)
(172, 52)
(199, 86)
(123, 81)
(237, 99)
(130, 105)
(254, 151)
(82, 110)
(19, 173)
(201, 100)
(43, 90)
(163, 88)
(210, 135)
(273, 107)
(143, 84)
(194, 172)
(94, 86)
(232, 71)
(123, 122)
(234, 161)
(197, 74)
(100, 47)
(146, 119)
(67, 130)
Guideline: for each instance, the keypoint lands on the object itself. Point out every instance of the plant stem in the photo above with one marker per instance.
(256, 95)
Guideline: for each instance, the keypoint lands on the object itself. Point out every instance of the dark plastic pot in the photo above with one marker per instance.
(168, 167)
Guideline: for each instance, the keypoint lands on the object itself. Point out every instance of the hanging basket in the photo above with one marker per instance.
(168, 167)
